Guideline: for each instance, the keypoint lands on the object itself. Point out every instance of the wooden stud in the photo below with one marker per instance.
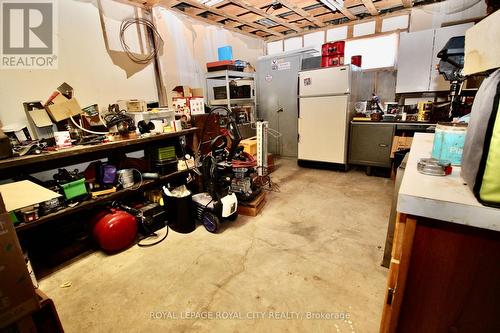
(350, 29)
(378, 25)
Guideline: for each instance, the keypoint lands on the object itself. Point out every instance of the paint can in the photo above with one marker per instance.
(449, 140)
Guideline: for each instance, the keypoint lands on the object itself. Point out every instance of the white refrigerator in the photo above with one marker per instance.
(325, 99)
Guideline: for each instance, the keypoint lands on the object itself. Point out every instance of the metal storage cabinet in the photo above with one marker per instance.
(370, 144)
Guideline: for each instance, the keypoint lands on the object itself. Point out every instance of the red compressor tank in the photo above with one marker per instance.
(114, 230)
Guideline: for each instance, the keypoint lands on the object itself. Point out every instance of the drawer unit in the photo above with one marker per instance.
(370, 144)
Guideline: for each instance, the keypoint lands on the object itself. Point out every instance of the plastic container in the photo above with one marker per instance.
(449, 140)
(356, 60)
(333, 48)
(332, 61)
(225, 53)
(74, 189)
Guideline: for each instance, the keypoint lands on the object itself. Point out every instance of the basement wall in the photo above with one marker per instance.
(190, 44)
(84, 62)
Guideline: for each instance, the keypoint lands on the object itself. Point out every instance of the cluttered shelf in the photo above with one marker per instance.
(93, 202)
(24, 161)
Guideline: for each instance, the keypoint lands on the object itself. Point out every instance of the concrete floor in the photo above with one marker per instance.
(316, 248)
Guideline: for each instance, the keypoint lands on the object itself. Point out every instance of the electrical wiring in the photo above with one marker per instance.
(155, 36)
(217, 108)
(86, 130)
(141, 240)
(265, 181)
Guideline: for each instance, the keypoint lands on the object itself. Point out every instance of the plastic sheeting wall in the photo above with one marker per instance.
(84, 63)
(190, 44)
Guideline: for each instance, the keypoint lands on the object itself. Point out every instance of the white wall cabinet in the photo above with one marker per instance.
(414, 61)
(417, 59)
(441, 37)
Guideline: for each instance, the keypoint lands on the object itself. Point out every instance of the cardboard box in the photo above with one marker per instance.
(197, 105)
(17, 294)
(400, 143)
(133, 105)
(63, 108)
(250, 145)
(181, 91)
(197, 92)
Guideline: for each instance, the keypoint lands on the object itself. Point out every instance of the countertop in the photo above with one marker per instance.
(442, 198)
(421, 123)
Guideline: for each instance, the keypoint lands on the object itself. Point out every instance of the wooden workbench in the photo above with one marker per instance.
(16, 166)
(445, 267)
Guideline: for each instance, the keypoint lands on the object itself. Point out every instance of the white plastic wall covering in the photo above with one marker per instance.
(376, 52)
(335, 34)
(275, 47)
(315, 40)
(363, 29)
(293, 43)
(395, 22)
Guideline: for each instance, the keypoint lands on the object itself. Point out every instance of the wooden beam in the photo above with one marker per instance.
(247, 6)
(199, 18)
(220, 12)
(347, 13)
(407, 3)
(291, 5)
(370, 7)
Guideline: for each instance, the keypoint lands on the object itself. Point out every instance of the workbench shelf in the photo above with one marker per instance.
(51, 160)
(88, 204)
(34, 163)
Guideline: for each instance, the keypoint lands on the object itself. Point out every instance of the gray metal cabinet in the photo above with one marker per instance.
(370, 144)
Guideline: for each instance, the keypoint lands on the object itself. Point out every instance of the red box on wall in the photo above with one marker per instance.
(332, 61)
(333, 48)
(356, 60)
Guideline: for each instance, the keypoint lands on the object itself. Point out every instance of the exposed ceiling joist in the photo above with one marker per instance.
(407, 3)
(301, 12)
(271, 19)
(225, 26)
(283, 22)
(133, 3)
(370, 7)
(347, 13)
(220, 12)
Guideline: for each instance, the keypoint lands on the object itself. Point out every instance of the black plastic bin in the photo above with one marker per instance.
(180, 214)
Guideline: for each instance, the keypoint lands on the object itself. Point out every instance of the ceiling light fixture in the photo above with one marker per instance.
(333, 4)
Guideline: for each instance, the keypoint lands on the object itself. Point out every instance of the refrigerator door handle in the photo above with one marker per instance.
(325, 95)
